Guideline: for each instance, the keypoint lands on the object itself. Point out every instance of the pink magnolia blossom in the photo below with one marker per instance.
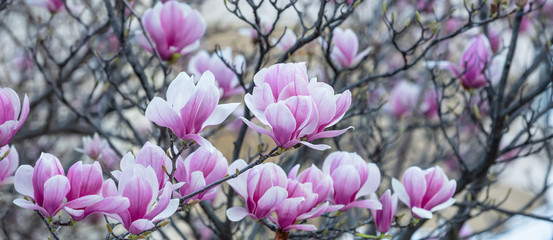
(12, 115)
(404, 97)
(51, 5)
(265, 25)
(46, 188)
(45, 184)
(353, 178)
(174, 27)
(226, 79)
(84, 196)
(383, 218)
(287, 40)
(262, 187)
(149, 155)
(301, 204)
(139, 184)
(204, 166)
(476, 66)
(99, 150)
(190, 108)
(345, 48)
(321, 183)
(425, 191)
(295, 109)
(9, 161)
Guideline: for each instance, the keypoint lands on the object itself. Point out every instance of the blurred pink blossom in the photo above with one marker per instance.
(12, 115)
(51, 5)
(287, 40)
(226, 79)
(9, 161)
(425, 191)
(174, 27)
(345, 48)
(403, 99)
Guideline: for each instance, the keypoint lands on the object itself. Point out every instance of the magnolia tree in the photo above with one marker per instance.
(273, 119)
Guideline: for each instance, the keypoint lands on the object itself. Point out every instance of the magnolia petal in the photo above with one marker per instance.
(401, 192)
(303, 227)
(236, 214)
(140, 225)
(422, 213)
(444, 205)
(23, 182)
(170, 210)
(220, 113)
(162, 114)
(30, 205)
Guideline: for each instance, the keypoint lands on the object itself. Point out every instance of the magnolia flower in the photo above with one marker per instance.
(84, 195)
(476, 66)
(204, 166)
(99, 150)
(12, 115)
(287, 40)
(190, 108)
(226, 79)
(353, 178)
(139, 184)
(46, 188)
(149, 155)
(321, 183)
(174, 27)
(45, 185)
(295, 109)
(345, 48)
(383, 218)
(262, 187)
(301, 204)
(404, 97)
(265, 25)
(51, 5)
(9, 161)
(425, 191)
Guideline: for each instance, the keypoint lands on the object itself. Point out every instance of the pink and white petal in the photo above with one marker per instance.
(30, 205)
(282, 122)
(444, 205)
(23, 182)
(55, 190)
(328, 134)
(180, 90)
(140, 225)
(366, 203)
(443, 195)
(220, 113)
(415, 185)
(24, 112)
(319, 147)
(108, 205)
(401, 192)
(162, 114)
(269, 200)
(255, 127)
(302, 227)
(294, 172)
(239, 184)
(421, 213)
(372, 183)
(83, 202)
(236, 214)
(143, 41)
(170, 210)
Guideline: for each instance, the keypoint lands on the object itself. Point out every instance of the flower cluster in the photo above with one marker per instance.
(295, 109)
